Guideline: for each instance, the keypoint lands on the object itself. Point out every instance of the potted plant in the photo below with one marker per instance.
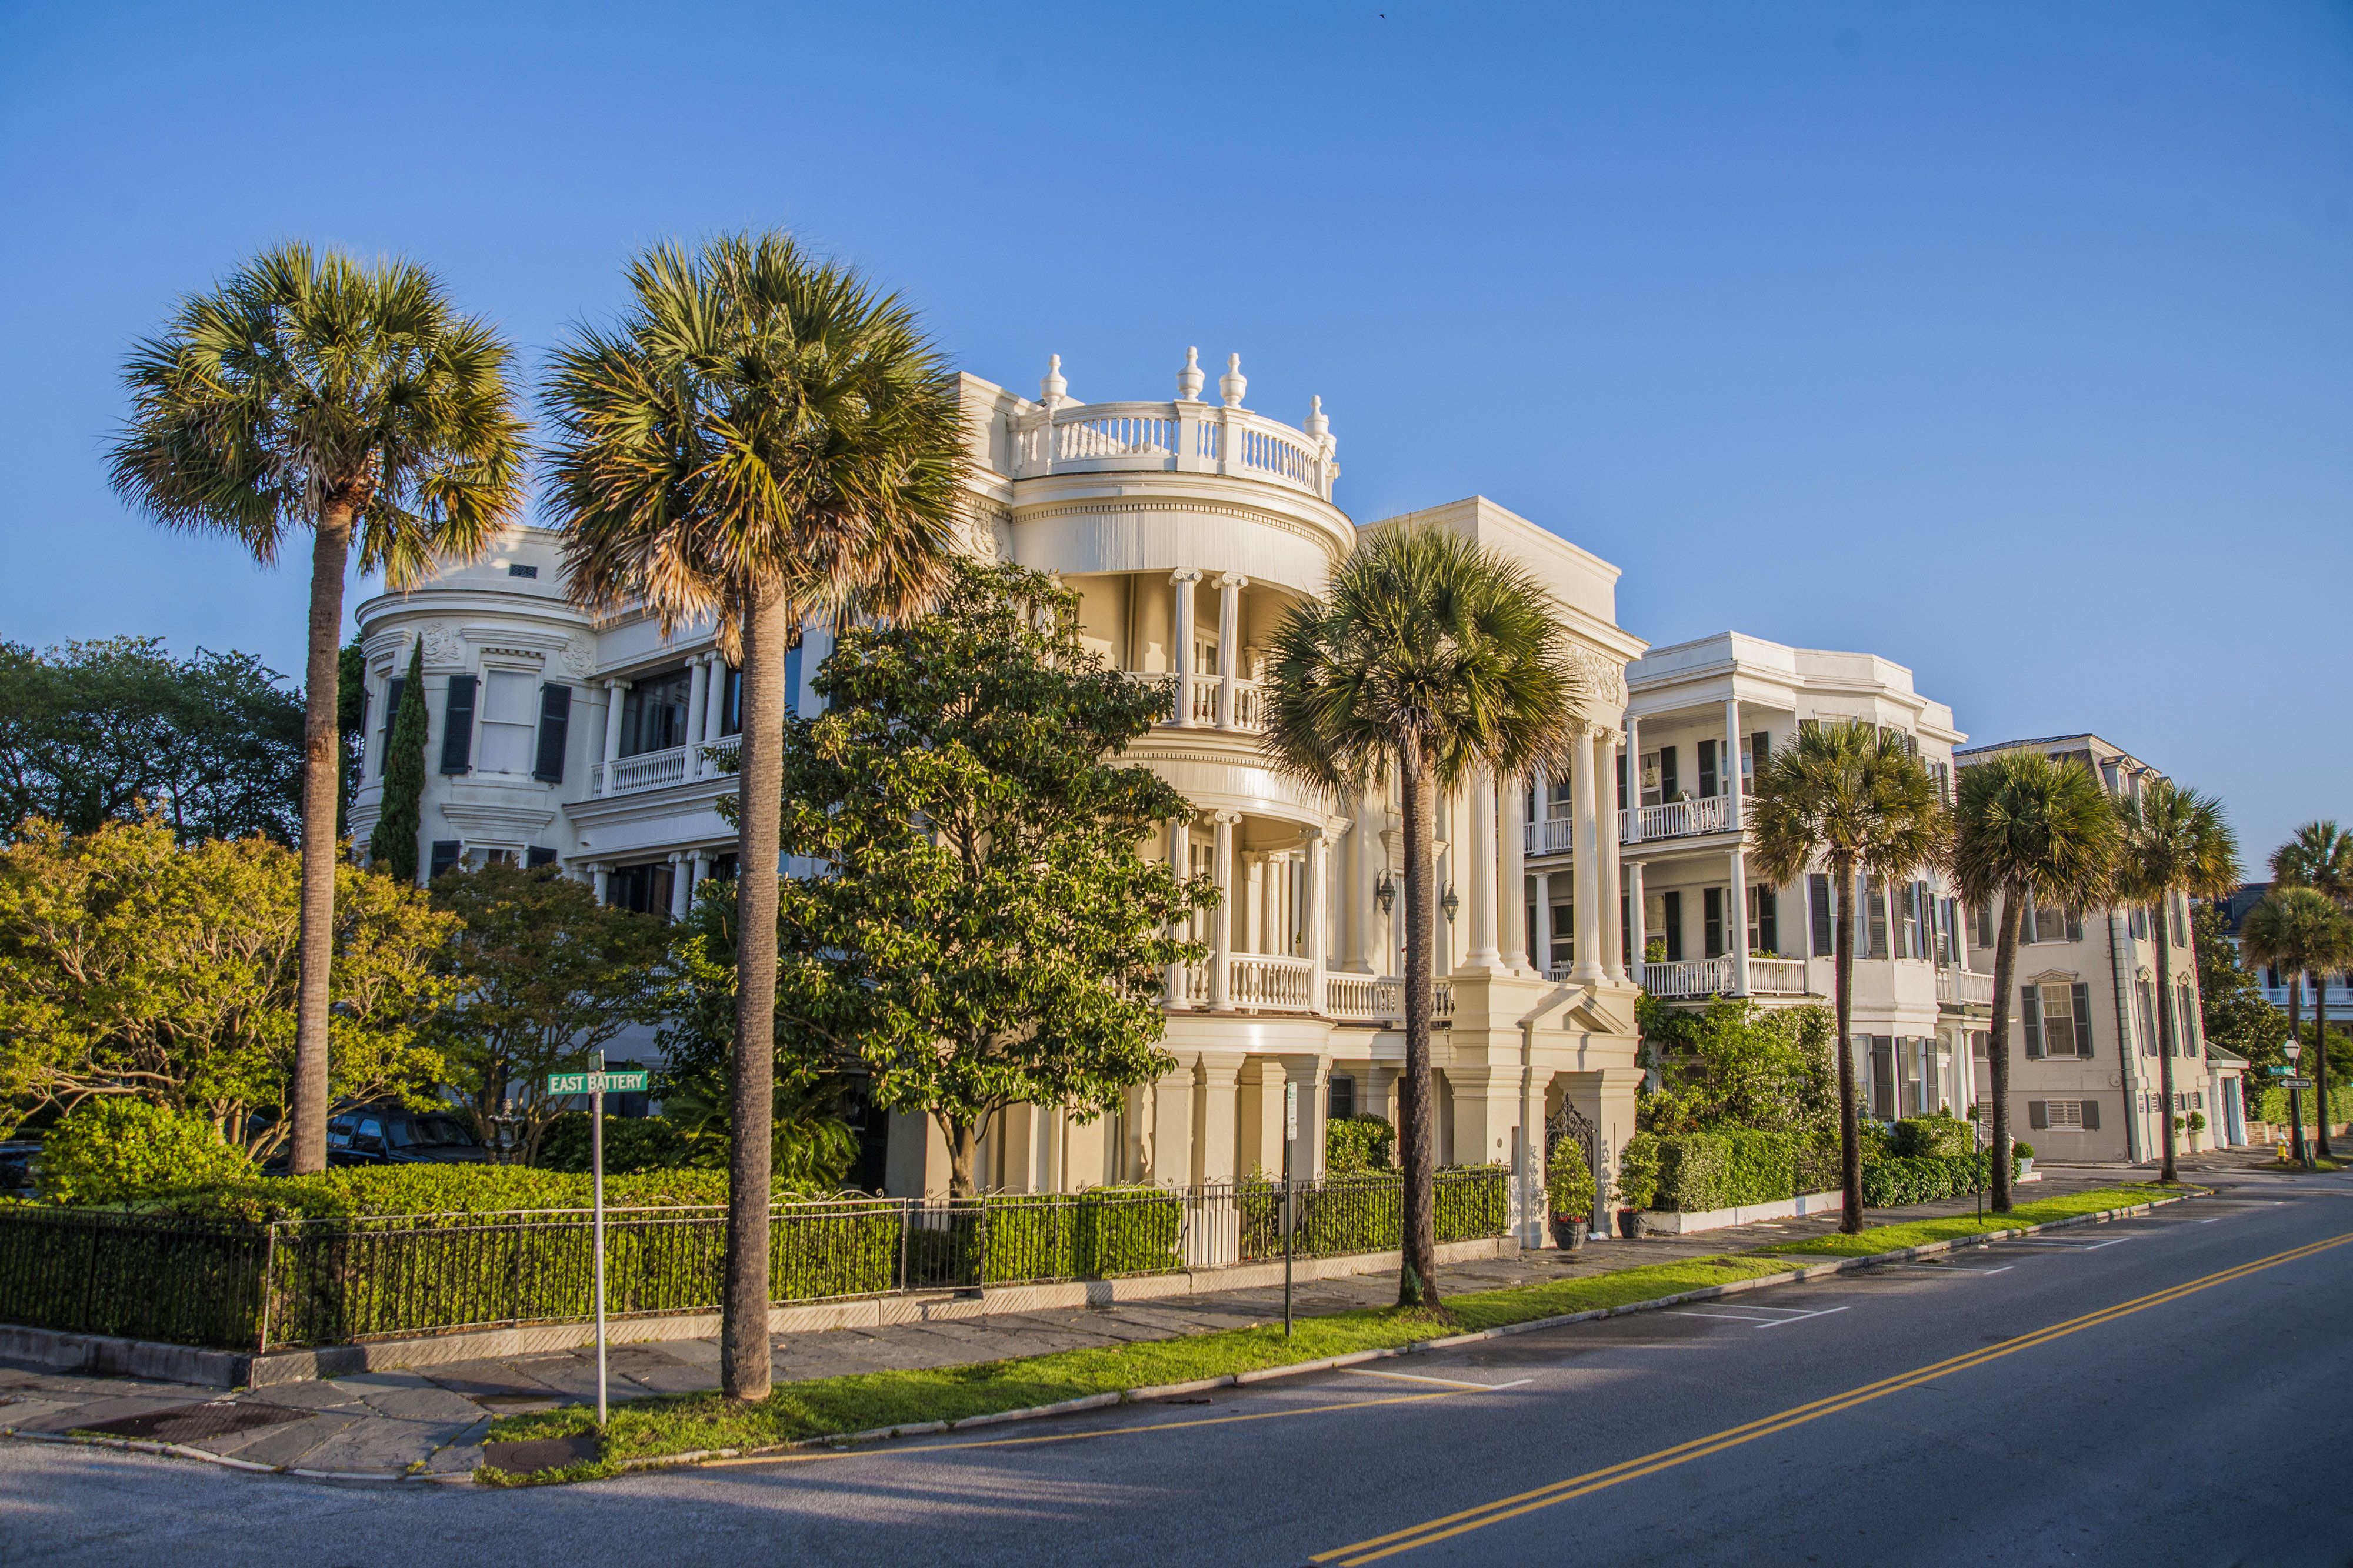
(1568, 1195)
(2197, 1125)
(1638, 1182)
(2023, 1151)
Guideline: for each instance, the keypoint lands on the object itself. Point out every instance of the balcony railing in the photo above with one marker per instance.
(1554, 835)
(646, 770)
(1689, 977)
(1184, 437)
(1680, 819)
(1266, 983)
(1776, 977)
(1962, 988)
(1201, 709)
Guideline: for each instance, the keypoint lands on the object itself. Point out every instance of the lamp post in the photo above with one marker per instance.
(2290, 1051)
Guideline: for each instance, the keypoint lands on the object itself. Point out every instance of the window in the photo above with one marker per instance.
(2185, 1014)
(1870, 918)
(1669, 785)
(653, 714)
(539, 856)
(1756, 754)
(1561, 801)
(2063, 1115)
(1764, 918)
(1564, 932)
(2181, 922)
(391, 693)
(2139, 923)
(444, 856)
(1707, 770)
(1985, 925)
(1911, 939)
(2056, 1017)
(1342, 1099)
(1653, 788)
(2145, 1005)
(510, 722)
(1818, 906)
(645, 889)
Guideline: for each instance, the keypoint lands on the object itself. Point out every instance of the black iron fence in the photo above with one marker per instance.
(336, 1281)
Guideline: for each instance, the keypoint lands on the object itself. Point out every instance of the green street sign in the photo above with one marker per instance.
(626, 1082)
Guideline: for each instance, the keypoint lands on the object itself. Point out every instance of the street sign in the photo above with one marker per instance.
(1290, 1111)
(2295, 1083)
(623, 1082)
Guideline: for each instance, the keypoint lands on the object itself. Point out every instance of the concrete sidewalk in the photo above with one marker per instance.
(428, 1424)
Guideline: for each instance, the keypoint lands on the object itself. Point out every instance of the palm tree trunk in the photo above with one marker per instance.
(1843, 912)
(2165, 1034)
(322, 788)
(2005, 970)
(1417, 1126)
(744, 1354)
(2320, 1063)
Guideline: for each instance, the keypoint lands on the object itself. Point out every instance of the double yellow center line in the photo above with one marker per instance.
(1502, 1508)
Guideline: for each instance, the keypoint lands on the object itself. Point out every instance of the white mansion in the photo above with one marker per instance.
(1186, 527)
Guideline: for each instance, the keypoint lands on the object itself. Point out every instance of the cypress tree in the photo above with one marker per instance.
(392, 847)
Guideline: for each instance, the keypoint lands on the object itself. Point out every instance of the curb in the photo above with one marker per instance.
(181, 1451)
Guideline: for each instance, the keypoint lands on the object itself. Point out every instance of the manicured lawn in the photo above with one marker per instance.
(1915, 1232)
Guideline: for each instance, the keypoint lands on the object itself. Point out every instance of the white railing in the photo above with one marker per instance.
(1689, 977)
(1272, 984)
(1961, 986)
(1201, 710)
(1777, 976)
(646, 770)
(1170, 438)
(1553, 836)
(712, 750)
(1196, 984)
(1363, 997)
(1682, 820)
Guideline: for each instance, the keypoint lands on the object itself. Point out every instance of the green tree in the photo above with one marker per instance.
(986, 933)
(315, 392)
(132, 968)
(113, 1149)
(764, 439)
(544, 975)
(400, 796)
(99, 731)
(2172, 845)
(1435, 663)
(2027, 829)
(2232, 1012)
(2302, 933)
(1735, 1064)
(2320, 856)
(1854, 799)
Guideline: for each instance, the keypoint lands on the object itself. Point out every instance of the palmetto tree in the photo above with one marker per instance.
(762, 439)
(2320, 856)
(2172, 844)
(313, 392)
(1427, 660)
(2027, 829)
(2300, 932)
(1852, 798)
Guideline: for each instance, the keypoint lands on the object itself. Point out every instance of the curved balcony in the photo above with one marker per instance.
(1183, 437)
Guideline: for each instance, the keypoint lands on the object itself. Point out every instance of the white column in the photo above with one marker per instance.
(1638, 935)
(1221, 926)
(1181, 865)
(1229, 621)
(1738, 935)
(1633, 833)
(1544, 924)
(698, 868)
(1588, 865)
(1253, 935)
(1484, 957)
(1512, 877)
(600, 879)
(1181, 632)
(1539, 805)
(1613, 962)
(1731, 767)
(714, 707)
(698, 695)
(1312, 910)
(1368, 928)
(613, 690)
(678, 890)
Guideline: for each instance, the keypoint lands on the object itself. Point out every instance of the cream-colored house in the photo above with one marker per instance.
(1186, 527)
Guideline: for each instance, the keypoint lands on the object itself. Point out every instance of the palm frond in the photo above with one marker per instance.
(2174, 840)
(2027, 824)
(1848, 793)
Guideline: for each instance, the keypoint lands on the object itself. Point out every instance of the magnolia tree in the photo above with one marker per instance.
(986, 931)
(132, 968)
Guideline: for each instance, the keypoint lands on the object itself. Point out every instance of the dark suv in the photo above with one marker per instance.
(392, 1135)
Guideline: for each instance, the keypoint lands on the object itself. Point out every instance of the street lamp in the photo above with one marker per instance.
(1385, 892)
(2291, 1049)
(1450, 903)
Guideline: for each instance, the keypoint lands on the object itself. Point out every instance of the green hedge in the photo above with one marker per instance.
(1895, 1181)
(1939, 1137)
(1356, 1143)
(1345, 1214)
(632, 1144)
(1102, 1232)
(1702, 1171)
(433, 1190)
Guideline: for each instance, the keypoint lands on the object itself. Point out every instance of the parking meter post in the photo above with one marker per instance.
(596, 1198)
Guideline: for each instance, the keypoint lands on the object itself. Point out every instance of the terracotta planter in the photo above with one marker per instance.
(1567, 1233)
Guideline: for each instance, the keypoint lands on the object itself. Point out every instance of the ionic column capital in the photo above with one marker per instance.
(1232, 580)
(1186, 575)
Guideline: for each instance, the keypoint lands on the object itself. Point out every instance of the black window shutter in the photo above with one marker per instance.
(539, 855)
(444, 856)
(1883, 1077)
(2083, 1019)
(1761, 751)
(1621, 781)
(1707, 786)
(1712, 916)
(2090, 1116)
(2029, 1019)
(1768, 918)
(458, 725)
(392, 706)
(554, 732)
(2074, 925)
(1984, 924)
(1671, 904)
(1818, 896)
(2037, 1115)
(1667, 774)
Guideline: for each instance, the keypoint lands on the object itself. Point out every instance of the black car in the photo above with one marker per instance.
(392, 1135)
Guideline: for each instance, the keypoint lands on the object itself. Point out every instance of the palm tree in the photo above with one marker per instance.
(2298, 932)
(1429, 660)
(312, 391)
(2172, 844)
(1854, 798)
(2027, 829)
(763, 439)
(2320, 857)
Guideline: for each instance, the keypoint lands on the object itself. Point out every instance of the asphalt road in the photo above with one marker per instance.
(2166, 1390)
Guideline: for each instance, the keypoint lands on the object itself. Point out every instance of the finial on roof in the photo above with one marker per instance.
(1233, 383)
(1318, 426)
(1188, 380)
(1054, 389)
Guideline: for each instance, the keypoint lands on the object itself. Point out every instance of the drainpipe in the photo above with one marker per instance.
(2124, 1050)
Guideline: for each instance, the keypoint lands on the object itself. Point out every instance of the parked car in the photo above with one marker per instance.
(20, 1162)
(392, 1135)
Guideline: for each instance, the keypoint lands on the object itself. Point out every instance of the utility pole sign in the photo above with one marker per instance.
(1290, 1136)
(596, 1085)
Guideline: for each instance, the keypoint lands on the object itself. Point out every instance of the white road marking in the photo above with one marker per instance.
(1957, 1268)
(1743, 1315)
(1448, 1382)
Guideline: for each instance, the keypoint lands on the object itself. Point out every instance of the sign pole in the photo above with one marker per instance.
(1290, 1216)
(596, 1186)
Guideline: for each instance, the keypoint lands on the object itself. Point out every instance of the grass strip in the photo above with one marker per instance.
(827, 1406)
(1881, 1238)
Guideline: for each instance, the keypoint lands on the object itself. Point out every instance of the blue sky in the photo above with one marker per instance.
(2012, 343)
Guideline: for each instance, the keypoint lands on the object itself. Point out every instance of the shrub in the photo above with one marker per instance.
(632, 1143)
(2198, 1121)
(1895, 1181)
(1938, 1137)
(1568, 1181)
(456, 1190)
(1701, 1171)
(1100, 1234)
(1818, 1169)
(1354, 1143)
(115, 1151)
(2022, 1148)
(1638, 1171)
